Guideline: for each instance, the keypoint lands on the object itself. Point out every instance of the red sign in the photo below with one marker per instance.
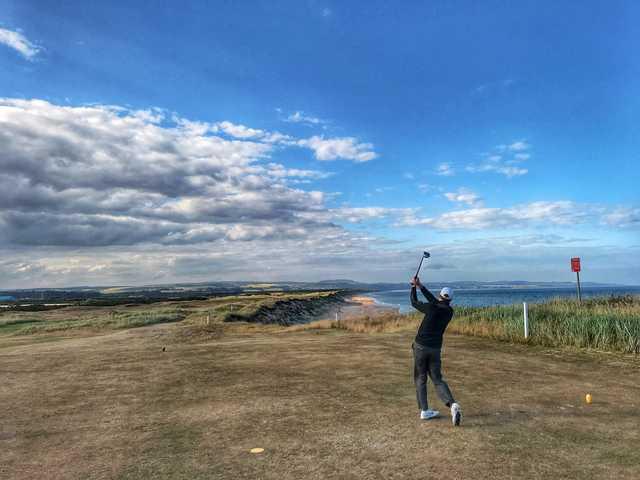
(575, 264)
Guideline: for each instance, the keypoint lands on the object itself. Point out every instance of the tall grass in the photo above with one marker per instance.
(382, 323)
(603, 323)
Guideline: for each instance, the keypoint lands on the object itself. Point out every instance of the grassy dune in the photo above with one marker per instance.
(26, 324)
(239, 308)
(606, 323)
(280, 308)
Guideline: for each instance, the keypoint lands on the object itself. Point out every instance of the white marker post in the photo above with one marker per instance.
(526, 320)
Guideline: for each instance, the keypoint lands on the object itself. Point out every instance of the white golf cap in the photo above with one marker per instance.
(446, 293)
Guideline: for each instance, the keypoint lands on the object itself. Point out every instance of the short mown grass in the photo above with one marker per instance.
(601, 323)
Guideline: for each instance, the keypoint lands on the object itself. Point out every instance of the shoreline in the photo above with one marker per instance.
(363, 305)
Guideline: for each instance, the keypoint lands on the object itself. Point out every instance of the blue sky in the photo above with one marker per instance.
(346, 138)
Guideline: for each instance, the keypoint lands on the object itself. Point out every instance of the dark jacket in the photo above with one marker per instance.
(437, 315)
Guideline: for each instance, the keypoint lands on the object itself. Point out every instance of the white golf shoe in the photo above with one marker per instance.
(456, 414)
(428, 414)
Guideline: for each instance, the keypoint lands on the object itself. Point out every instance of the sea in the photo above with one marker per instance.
(500, 296)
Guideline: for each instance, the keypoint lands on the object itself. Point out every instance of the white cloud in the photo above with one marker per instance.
(493, 87)
(505, 160)
(279, 171)
(335, 255)
(506, 170)
(511, 172)
(228, 128)
(277, 137)
(97, 175)
(623, 217)
(105, 195)
(445, 170)
(19, 43)
(301, 117)
(518, 146)
(361, 214)
(535, 213)
(101, 194)
(239, 131)
(356, 215)
(347, 148)
(464, 195)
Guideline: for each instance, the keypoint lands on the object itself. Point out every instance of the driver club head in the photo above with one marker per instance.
(426, 254)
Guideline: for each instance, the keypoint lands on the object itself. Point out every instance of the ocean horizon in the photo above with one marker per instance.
(482, 297)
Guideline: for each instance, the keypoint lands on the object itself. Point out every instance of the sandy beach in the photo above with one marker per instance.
(361, 305)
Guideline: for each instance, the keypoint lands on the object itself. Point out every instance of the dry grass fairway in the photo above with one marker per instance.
(323, 404)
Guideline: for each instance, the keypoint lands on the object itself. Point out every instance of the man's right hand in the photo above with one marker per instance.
(415, 282)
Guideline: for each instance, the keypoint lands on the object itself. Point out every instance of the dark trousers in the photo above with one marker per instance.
(427, 363)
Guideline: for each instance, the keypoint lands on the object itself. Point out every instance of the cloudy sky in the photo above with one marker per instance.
(143, 142)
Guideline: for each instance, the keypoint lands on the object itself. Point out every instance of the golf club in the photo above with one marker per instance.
(424, 255)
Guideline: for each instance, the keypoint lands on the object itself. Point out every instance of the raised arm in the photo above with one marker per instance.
(415, 303)
(429, 296)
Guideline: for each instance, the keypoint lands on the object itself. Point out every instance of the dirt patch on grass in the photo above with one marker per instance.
(323, 404)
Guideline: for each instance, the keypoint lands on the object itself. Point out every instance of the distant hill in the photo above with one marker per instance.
(97, 295)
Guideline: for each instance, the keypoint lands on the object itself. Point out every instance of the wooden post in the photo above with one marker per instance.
(526, 320)
(575, 267)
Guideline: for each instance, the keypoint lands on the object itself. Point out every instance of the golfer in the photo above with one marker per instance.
(427, 346)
